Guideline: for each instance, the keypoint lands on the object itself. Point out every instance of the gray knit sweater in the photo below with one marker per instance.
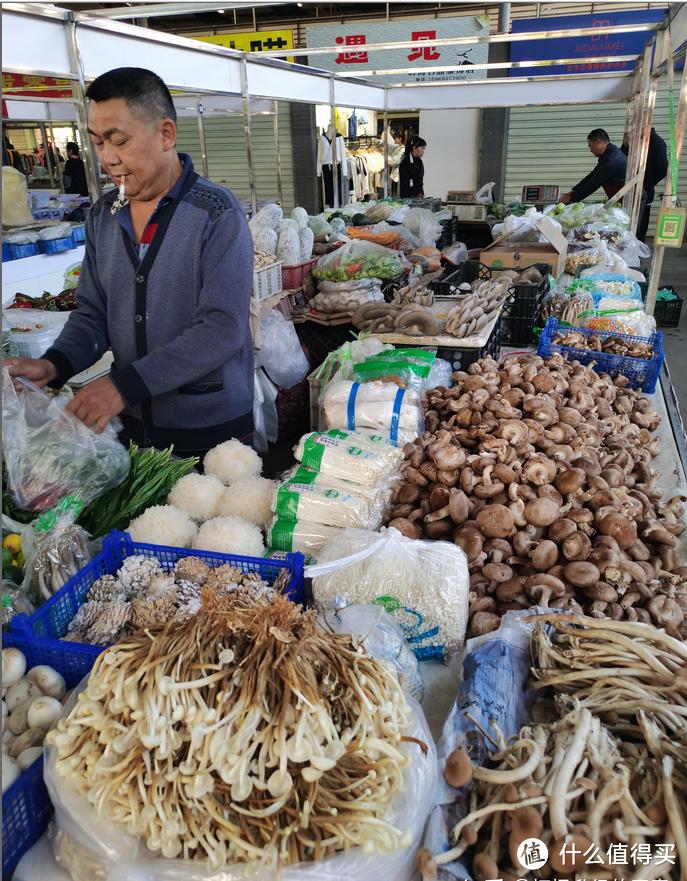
(177, 321)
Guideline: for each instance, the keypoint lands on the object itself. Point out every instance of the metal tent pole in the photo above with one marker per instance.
(54, 146)
(647, 117)
(48, 160)
(91, 163)
(680, 120)
(201, 135)
(275, 107)
(386, 149)
(246, 125)
(332, 135)
(637, 138)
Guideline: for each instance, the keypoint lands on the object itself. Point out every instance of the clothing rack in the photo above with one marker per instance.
(361, 140)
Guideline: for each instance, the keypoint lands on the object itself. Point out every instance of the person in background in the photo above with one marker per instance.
(396, 154)
(411, 170)
(656, 170)
(166, 283)
(74, 175)
(609, 172)
(13, 158)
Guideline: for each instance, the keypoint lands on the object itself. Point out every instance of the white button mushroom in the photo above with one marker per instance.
(28, 757)
(32, 737)
(50, 682)
(20, 693)
(10, 769)
(13, 666)
(18, 721)
(43, 712)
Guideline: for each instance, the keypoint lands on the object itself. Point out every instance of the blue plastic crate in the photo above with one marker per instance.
(56, 246)
(49, 623)
(19, 251)
(641, 373)
(26, 807)
(6, 252)
(79, 234)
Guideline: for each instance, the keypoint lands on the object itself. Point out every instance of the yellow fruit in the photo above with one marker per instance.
(12, 543)
(21, 559)
(14, 563)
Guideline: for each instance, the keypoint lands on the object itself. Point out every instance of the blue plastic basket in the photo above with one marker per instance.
(19, 251)
(79, 234)
(49, 623)
(641, 373)
(56, 246)
(6, 252)
(26, 807)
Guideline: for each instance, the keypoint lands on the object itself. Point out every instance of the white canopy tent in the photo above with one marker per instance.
(81, 46)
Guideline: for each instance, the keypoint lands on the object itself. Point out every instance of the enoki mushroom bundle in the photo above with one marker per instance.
(573, 786)
(245, 734)
(633, 674)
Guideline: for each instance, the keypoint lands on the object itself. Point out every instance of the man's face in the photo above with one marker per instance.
(127, 146)
(597, 147)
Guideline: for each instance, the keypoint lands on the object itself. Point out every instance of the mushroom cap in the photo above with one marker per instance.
(582, 573)
(541, 512)
(543, 579)
(511, 590)
(618, 526)
(500, 572)
(405, 527)
(545, 555)
(458, 769)
(571, 480)
(484, 868)
(495, 521)
(484, 622)
(426, 863)
(577, 546)
(601, 592)
(561, 529)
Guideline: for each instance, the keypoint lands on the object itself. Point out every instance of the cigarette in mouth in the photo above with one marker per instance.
(121, 187)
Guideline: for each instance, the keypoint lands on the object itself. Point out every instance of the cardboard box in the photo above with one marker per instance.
(501, 254)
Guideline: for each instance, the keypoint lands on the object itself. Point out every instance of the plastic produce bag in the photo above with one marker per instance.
(319, 226)
(440, 374)
(265, 419)
(34, 331)
(456, 253)
(523, 228)
(408, 368)
(269, 217)
(345, 300)
(350, 455)
(615, 287)
(266, 240)
(59, 231)
(380, 406)
(300, 215)
(27, 541)
(307, 237)
(281, 354)
(358, 259)
(384, 640)
(423, 585)
(295, 500)
(71, 276)
(51, 454)
(94, 847)
(484, 195)
(299, 536)
(25, 237)
(15, 197)
(630, 321)
(60, 550)
(379, 494)
(425, 225)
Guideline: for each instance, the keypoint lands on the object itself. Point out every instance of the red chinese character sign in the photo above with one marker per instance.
(17, 85)
(425, 62)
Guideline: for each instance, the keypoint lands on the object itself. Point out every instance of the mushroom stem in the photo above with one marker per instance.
(572, 758)
(674, 815)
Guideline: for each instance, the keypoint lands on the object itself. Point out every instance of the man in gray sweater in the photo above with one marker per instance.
(166, 283)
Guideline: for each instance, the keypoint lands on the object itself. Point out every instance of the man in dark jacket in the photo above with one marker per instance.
(656, 170)
(166, 283)
(609, 172)
(74, 174)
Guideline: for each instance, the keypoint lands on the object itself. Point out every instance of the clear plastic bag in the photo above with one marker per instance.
(51, 454)
(34, 331)
(71, 276)
(340, 298)
(358, 259)
(456, 253)
(424, 585)
(379, 493)
(440, 374)
(25, 237)
(380, 406)
(305, 501)
(615, 287)
(93, 847)
(299, 536)
(633, 321)
(60, 550)
(15, 197)
(59, 231)
(408, 368)
(350, 455)
(265, 419)
(384, 640)
(281, 354)
(25, 532)
(300, 215)
(523, 228)
(425, 225)
(484, 195)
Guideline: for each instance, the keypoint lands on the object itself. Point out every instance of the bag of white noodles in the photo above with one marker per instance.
(424, 585)
(358, 456)
(300, 499)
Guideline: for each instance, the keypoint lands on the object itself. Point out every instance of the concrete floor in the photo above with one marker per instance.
(674, 273)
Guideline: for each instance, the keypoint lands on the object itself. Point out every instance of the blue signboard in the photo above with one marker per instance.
(603, 45)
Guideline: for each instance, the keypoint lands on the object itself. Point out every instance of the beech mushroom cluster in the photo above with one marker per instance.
(574, 786)
(410, 319)
(541, 472)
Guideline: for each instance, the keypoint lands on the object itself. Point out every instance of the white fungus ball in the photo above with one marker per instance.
(230, 535)
(232, 461)
(163, 525)
(249, 498)
(198, 495)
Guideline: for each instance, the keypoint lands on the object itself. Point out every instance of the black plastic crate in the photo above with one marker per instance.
(666, 312)
(469, 356)
(447, 282)
(448, 233)
(320, 339)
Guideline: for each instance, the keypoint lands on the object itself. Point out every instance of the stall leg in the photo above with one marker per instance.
(386, 152)
(201, 135)
(58, 168)
(332, 135)
(246, 124)
(275, 110)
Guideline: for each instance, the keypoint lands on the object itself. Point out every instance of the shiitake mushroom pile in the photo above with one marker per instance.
(540, 470)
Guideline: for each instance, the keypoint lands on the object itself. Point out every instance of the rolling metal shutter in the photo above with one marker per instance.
(547, 145)
(225, 143)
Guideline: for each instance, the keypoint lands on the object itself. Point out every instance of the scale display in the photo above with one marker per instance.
(541, 193)
(460, 197)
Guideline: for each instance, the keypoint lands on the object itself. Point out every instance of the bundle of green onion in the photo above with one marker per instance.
(153, 473)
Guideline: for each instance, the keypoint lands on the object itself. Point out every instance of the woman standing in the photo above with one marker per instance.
(411, 170)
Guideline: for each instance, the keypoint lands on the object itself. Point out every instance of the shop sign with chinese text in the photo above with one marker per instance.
(20, 85)
(260, 41)
(599, 45)
(353, 38)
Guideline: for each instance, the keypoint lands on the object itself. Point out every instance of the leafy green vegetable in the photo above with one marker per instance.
(152, 475)
(8, 506)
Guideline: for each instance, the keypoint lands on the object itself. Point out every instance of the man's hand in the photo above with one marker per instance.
(626, 139)
(39, 371)
(565, 198)
(97, 403)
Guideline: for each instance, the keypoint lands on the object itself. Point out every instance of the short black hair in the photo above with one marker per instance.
(598, 134)
(145, 93)
(72, 147)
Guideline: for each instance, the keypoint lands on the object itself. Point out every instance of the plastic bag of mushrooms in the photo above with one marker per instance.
(541, 472)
